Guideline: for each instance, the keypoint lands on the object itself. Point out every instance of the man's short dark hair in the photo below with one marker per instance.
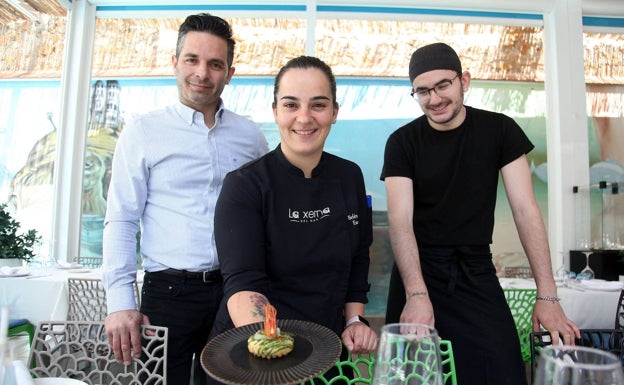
(205, 22)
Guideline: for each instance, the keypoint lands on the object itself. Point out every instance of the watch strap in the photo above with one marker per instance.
(356, 318)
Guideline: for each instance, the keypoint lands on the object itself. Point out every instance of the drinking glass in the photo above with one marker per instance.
(587, 272)
(587, 246)
(408, 354)
(562, 273)
(578, 365)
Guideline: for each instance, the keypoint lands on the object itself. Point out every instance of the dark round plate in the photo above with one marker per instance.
(227, 359)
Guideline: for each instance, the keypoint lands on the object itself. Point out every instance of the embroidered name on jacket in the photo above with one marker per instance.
(353, 218)
(308, 216)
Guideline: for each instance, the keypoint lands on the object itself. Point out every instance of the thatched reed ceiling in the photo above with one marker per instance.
(17, 10)
(32, 34)
(143, 47)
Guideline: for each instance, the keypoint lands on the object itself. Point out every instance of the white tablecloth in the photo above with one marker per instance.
(589, 309)
(42, 295)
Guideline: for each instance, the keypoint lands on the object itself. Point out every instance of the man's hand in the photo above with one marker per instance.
(550, 315)
(124, 333)
(418, 309)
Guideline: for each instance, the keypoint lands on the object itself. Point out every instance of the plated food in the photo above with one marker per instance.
(269, 342)
(226, 357)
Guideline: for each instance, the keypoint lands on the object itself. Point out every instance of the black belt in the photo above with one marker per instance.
(204, 276)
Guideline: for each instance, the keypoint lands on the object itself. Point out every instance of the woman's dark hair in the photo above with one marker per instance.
(205, 22)
(305, 62)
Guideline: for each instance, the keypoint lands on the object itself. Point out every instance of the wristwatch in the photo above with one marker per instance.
(363, 320)
(357, 318)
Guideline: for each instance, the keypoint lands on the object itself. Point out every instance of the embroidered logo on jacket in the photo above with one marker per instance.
(353, 218)
(308, 216)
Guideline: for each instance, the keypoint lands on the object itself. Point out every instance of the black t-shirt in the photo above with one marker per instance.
(302, 242)
(455, 174)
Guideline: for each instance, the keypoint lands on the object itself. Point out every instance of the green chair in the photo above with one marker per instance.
(21, 325)
(521, 302)
(362, 367)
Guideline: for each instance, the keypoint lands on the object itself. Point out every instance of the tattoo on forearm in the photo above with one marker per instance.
(258, 301)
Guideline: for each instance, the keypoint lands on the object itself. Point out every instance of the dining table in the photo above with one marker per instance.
(41, 293)
(591, 304)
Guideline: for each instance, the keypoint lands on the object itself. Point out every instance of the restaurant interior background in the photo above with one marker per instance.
(367, 46)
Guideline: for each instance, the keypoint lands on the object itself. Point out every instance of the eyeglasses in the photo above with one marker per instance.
(423, 94)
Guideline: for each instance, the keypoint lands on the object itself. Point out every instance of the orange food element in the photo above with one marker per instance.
(268, 342)
(270, 321)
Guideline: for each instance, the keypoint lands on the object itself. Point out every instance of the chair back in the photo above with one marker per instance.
(358, 369)
(517, 272)
(87, 299)
(521, 302)
(90, 262)
(80, 350)
(611, 340)
(619, 313)
(21, 325)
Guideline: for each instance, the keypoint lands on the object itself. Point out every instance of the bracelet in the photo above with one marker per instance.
(356, 318)
(415, 294)
(547, 298)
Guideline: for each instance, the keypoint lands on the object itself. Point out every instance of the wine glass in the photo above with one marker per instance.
(562, 273)
(587, 272)
(408, 354)
(578, 365)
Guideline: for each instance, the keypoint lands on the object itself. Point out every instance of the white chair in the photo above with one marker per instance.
(87, 299)
(80, 350)
(518, 272)
(90, 262)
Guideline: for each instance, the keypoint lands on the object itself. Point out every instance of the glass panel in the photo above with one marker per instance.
(28, 151)
(604, 74)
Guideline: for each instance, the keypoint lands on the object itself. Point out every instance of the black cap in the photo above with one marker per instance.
(436, 56)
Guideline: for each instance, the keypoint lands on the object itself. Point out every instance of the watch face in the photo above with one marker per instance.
(363, 320)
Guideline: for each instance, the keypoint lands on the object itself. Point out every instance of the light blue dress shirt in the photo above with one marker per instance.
(167, 173)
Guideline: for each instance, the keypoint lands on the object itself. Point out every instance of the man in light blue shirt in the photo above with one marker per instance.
(167, 173)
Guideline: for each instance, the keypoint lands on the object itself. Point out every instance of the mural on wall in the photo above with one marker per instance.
(33, 182)
(105, 124)
(605, 189)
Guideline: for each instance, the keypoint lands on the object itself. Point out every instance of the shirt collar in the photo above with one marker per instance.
(189, 114)
(318, 170)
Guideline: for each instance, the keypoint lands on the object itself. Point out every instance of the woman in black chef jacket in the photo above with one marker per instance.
(293, 228)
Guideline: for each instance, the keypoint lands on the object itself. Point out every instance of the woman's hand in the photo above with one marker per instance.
(359, 338)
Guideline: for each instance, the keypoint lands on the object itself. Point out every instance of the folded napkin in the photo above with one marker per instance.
(17, 374)
(602, 285)
(13, 271)
(68, 265)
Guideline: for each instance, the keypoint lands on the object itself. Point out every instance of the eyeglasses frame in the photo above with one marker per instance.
(415, 94)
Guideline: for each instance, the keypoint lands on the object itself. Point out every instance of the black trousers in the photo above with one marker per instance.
(187, 307)
(471, 311)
